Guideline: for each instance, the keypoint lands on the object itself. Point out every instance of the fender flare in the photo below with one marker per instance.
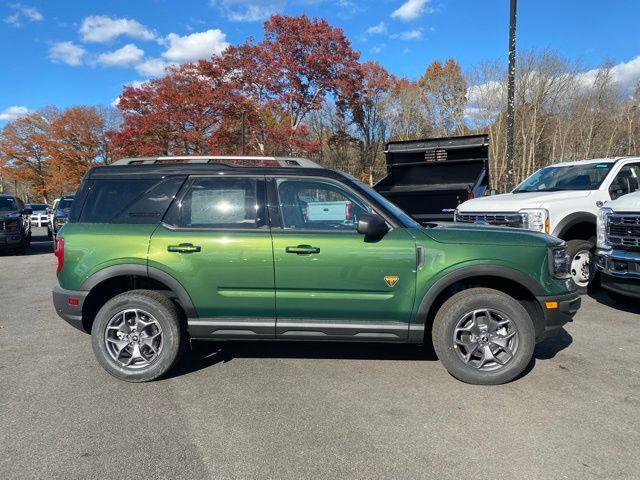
(143, 271)
(573, 219)
(417, 328)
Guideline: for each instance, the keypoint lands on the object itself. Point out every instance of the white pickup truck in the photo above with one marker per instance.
(618, 256)
(562, 200)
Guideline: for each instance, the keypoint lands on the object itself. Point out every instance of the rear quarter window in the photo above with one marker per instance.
(129, 200)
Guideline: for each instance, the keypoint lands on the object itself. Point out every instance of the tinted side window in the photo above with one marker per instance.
(220, 203)
(318, 205)
(627, 181)
(150, 207)
(106, 199)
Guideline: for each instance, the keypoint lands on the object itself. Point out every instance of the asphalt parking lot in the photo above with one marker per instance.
(300, 411)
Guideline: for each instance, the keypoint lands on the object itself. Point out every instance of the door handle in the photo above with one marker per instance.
(302, 250)
(184, 248)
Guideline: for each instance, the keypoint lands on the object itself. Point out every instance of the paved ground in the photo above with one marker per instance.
(305, 411)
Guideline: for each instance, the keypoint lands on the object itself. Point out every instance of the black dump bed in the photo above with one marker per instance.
(429, 178)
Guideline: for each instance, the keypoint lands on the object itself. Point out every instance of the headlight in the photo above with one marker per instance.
(559, 262)
(536, 219)
(455, 215)
(12, 224)
(603, 218)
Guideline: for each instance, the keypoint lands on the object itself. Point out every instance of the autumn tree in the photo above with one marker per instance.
(445, 88)
(369, 113)
(408, 115)
(75, 144)
(23, 144)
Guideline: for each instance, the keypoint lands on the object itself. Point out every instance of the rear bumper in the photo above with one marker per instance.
(554, 318)
(64, 303)
(619, 271)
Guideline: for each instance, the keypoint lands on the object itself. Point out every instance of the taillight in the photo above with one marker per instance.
(59, 254)
(348, 212)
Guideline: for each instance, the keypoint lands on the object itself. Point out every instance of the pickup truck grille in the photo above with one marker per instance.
(500, 219)
(624, 231)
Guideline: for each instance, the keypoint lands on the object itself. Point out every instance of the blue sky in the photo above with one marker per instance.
(81, 52)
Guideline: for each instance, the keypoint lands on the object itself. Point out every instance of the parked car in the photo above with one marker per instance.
(40, 215)
(429, 178)
(15, 226)
(156, 252)
(61, 209)
(562, 200)
(618, 258)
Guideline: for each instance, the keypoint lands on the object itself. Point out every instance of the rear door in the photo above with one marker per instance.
(331, 282)
(215, 241)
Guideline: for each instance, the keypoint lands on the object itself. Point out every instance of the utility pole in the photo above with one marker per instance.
(511, 80)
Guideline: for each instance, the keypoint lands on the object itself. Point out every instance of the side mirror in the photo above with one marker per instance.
(27, 211)
(372, 225)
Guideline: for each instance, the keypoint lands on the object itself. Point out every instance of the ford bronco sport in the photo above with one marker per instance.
(158, 251)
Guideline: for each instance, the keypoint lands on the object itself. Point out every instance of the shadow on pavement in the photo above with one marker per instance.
(205, 354)
(601, 296)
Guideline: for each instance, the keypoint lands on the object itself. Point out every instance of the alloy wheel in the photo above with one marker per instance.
(485, 339)
(133, 338)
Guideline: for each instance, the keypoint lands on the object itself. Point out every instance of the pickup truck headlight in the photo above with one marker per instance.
(536, 219)
(603, 217)
(559, 262)
(455, 215)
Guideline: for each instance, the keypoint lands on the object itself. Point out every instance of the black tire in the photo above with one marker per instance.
(459, 306)
(49, 234)
(573, 248)
(164, 312)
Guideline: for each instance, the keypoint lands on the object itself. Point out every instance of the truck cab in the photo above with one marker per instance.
(562, 200)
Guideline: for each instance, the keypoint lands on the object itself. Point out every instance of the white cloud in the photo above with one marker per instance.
(625, 74)
(411, 9)
(378, 29)
(67, 52)
(23, 12)
(122, 57)
(195, 46)
(248, 10)
(12, 113)
(415, 34)
(152, 67)
(102, 28)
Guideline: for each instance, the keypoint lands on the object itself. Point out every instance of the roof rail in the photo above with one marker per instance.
(223, 160)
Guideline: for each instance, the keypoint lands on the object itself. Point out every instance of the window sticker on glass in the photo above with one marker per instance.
(217, 206)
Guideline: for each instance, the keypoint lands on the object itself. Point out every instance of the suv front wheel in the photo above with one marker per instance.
(137, 336)
(483, 336)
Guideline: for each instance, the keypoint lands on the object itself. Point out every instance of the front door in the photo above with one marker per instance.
(215, 241)
(331, 282)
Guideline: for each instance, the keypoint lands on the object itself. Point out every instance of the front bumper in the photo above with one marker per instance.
(619, 271)
(557, 310)
(10, 239)
(64, 302)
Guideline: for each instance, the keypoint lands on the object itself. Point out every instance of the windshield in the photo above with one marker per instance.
(65, 204)
(36, 207)
(571, 177)
(406, 219)
(8, 204)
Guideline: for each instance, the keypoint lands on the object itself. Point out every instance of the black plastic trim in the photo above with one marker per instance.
(70, 314)
(571, 220)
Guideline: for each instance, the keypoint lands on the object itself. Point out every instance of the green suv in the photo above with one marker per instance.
(158, 251)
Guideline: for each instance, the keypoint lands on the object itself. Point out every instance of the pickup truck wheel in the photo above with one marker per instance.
(582, 257)
(483, 336)
(137, 336)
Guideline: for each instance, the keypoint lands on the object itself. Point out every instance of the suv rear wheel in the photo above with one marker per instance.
(137, 336)
(483, 336)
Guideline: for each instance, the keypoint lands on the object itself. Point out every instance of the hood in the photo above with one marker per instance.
(626, 203)
(469, 233)
(9, 215)
(512, 202)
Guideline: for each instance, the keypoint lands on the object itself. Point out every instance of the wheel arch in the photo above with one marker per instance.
(505, 279)
(578, 225)
(110, 281)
